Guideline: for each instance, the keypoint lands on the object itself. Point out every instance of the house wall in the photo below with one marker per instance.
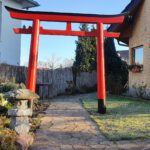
(10, 43)
(141, 36)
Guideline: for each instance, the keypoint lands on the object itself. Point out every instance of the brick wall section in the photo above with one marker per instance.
(141, 36)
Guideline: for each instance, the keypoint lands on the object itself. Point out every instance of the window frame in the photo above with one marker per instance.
(133, 61)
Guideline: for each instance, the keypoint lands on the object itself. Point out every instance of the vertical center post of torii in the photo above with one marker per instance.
(101, 87)
(33, 58)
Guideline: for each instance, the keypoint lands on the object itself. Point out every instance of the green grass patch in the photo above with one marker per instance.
(126, 118)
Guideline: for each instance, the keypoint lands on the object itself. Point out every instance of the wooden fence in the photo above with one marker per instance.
(51, 83)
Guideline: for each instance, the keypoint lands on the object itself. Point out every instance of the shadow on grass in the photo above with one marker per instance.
(125, 118)
(120, 107)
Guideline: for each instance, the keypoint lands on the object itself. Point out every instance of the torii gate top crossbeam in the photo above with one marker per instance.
(65, 17)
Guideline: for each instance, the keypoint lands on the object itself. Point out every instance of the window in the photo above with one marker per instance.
(137, 55)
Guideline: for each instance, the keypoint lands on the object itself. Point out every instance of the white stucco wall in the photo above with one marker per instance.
(10, 43)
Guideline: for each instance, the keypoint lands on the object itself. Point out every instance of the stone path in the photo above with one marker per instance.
(67, 126)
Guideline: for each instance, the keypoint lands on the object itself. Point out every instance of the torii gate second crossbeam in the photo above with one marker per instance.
(99, 33)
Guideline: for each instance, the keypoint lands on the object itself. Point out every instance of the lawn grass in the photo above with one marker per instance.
(126, 118)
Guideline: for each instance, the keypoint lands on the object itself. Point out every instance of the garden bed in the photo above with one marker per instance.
(126, 118)
(8, 137)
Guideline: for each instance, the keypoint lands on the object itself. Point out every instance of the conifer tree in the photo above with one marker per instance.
(85, 59)
(116, 69)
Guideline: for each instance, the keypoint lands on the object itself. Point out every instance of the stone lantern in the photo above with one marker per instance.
(22, 109)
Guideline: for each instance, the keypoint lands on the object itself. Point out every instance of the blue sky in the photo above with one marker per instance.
(62, 46)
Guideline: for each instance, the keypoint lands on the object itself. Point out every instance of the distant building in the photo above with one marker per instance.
(10, 44)
(124, 55)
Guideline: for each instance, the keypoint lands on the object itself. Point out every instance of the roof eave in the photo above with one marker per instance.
(132, 12)
(29, 4)
(27, 7)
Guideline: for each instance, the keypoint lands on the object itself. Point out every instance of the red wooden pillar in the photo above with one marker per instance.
(32, 68)
(101, 89)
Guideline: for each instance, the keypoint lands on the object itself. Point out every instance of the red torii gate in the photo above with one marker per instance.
(69, 18)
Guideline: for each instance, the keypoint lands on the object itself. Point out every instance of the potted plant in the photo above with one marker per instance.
(135, 68)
